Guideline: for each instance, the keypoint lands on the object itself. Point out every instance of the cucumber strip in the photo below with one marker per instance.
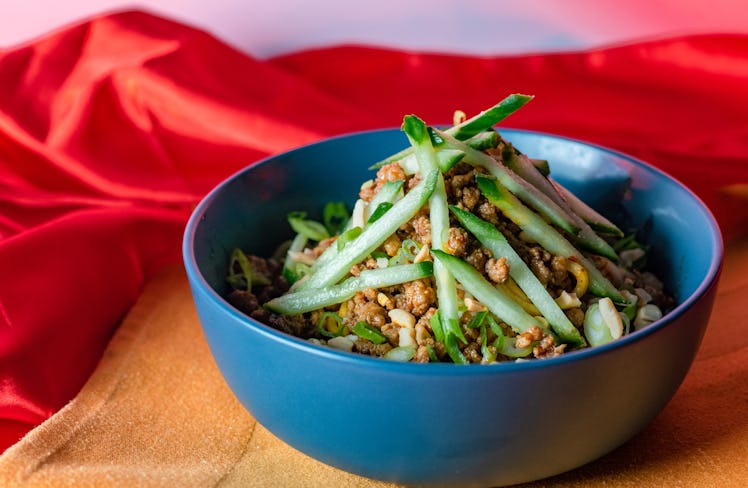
(544, 234)
(524, 190)
(446, 158)
(390, 192)
(313, 299)
(489, 118)
(598, 222)
(498, 302)
(449, 157)
(373, 235)
(446, 288)
(494, 240)
(585, 237)
(474, 125)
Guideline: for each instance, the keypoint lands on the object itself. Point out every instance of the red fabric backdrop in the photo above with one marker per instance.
(111, 130)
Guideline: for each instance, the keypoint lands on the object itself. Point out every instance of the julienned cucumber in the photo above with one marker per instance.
(544, 234)
(307, 300)
(373, 235)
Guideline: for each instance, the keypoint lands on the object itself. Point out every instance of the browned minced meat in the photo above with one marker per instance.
(417, 297)
(362, 308)
(529, 336)
(457, 241)
(420, 226)
(388, 172)
(497, 269)
(369, 348)
(575, 316)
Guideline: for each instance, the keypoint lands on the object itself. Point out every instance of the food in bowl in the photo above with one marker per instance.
(440, 424)
(461, 249)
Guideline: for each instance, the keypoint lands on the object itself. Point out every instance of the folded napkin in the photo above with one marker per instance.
(156, 412)
(111, 130)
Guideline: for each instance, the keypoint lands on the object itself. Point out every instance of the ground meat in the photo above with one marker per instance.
(369, 348)
(472, 352)
(368, 264)
(388, 172)
(392, 333)
(457, 241)
(422, 355)
(322, 245)
(457, 182)
(547, 348)
(529, 336)
(576, 316)
(359, 308)
(488, 211)
(296, 325)
(538, 260)
(497, 269)
(478, 257)
(470, 197)
(422, 228)
(417, 297)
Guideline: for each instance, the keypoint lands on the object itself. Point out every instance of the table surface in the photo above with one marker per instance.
(157, 413)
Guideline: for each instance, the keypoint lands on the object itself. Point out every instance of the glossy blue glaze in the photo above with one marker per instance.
(442, 424)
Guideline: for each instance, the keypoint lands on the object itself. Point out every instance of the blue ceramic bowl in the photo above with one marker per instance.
(443, 424)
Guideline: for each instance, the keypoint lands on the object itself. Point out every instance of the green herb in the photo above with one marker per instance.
(310, 228)
(335, 216)
(366, 331)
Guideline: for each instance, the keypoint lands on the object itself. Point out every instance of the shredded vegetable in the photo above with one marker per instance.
(462, 249)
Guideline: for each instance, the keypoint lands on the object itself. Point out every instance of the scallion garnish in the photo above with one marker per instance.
(366, 331)
(310, 228)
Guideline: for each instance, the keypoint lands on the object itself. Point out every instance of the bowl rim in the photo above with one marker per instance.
(286, 340)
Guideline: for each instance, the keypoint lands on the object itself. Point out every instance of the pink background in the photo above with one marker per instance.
(265, 28)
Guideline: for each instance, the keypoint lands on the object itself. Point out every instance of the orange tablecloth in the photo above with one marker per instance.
(156, 412)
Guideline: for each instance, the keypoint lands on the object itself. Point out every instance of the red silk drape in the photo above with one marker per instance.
(111, 130)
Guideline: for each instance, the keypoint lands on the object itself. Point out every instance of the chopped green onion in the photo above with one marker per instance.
(379, 211)
(453, 349)
(310, 228)
(347, 237)
(322, 324)
(477, 320)
(432, 354)
(508, 347)
(436, 326)
(489, 356)
(400, 353)
(241, 275)
(410, 248)
(334, 217)
(291, 271)
(366, 331)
